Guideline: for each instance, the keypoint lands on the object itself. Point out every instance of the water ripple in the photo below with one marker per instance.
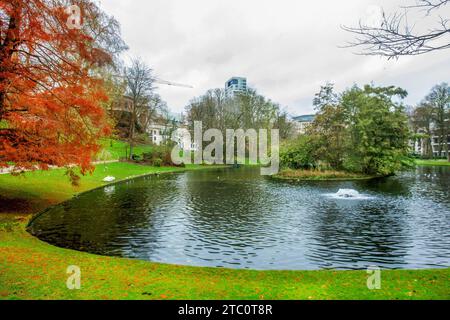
(243, 220)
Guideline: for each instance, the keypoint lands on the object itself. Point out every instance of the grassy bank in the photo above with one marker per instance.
(35, 191)
(31, 269)
(432, 163)
(116, 149)
(308, 175)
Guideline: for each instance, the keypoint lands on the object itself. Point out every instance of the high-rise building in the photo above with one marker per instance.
(235, 85)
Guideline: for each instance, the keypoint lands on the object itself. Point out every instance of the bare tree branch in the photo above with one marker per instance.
(394, 37)
(429, 5)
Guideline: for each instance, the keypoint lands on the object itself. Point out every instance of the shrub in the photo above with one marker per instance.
(298, 154)
(104, 155)
(136, 157)
(147, 156)
(157, 162)
(159, 156)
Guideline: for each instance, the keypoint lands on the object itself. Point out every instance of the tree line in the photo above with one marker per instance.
(362, 130)
(57, 83)
(245, 110)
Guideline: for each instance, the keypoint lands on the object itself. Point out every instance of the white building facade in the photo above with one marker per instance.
(160, 134)
(302, 123)
(420, 146)
(437, 146)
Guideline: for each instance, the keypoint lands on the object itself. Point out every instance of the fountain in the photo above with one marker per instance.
(348, 193)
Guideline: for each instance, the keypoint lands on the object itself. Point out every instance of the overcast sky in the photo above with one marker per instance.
(285, 48)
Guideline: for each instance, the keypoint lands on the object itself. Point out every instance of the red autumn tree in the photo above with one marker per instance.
(51, 99)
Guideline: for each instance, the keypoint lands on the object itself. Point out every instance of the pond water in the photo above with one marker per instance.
(235, 218)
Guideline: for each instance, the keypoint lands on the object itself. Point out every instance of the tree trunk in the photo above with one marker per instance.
(2, 104)
(442, 144)
(7, 49)
(447, 149)
(132, 129)
(428, 144)
(131, 139)
(429, 148)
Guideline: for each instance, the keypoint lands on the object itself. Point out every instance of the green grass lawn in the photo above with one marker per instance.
(116, 149)
(432, 163)
(32, 269)
(37, 190)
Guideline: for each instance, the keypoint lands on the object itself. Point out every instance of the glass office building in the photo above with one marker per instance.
(235, 85)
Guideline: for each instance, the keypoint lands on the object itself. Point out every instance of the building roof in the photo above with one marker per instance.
(305, 118)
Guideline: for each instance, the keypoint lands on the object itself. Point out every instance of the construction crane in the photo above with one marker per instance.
(161, 81)
(174, 84)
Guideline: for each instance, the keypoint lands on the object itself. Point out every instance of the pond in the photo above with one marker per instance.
(236, 218)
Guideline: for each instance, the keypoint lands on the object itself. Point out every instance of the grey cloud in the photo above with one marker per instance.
(285, 48)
